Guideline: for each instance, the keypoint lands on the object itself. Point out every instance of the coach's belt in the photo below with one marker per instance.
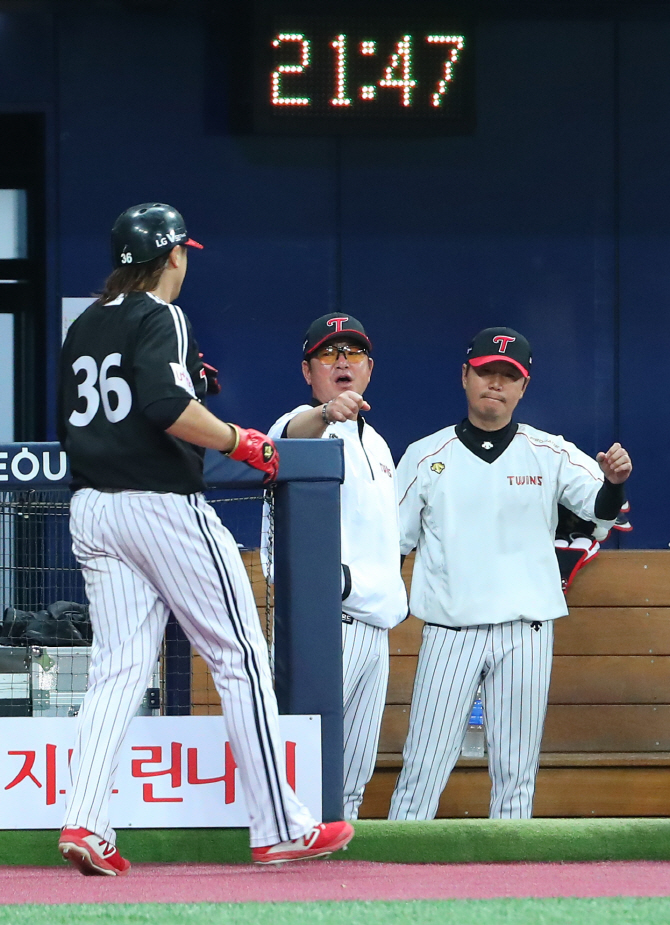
(536, 625)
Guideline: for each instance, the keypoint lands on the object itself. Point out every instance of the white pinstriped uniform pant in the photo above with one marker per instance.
(365, 669)
(144, 555)
(513, 663)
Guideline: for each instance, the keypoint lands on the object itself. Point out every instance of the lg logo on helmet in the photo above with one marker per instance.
(170, 237)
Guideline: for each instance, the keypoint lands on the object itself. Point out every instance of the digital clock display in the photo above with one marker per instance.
(362, 73)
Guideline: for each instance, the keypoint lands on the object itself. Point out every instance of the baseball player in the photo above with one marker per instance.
(133, 422)
(337, 366)
(479, 503)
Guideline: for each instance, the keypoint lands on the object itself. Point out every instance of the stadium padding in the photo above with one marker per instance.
(440, 841)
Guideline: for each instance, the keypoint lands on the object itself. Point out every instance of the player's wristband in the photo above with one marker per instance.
(324, 414)
(237, 440)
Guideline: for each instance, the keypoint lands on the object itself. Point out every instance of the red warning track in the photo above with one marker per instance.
(334, 880)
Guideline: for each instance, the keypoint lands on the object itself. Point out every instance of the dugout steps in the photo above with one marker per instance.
(441, 841)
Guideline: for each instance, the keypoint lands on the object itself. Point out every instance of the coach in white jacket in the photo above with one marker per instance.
(479, 503)
(337, 365)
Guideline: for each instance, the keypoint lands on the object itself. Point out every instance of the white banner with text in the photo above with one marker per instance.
(174, 772)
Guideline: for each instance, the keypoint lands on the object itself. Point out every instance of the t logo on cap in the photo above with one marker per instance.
(338, 322)
(334, 327)
(512, 348)
(503, 340)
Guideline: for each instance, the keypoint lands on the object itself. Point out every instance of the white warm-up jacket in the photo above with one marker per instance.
(372, 588)
(484, 532)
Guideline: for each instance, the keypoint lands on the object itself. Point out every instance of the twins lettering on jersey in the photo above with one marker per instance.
(524, 479)
(438, 467)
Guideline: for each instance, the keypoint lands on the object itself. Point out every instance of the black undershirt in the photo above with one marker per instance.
(489, 445)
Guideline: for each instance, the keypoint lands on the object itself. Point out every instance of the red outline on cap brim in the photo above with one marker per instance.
(479, 361)
(192, 243)
(337, 334)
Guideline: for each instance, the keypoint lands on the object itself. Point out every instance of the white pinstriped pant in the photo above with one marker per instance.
(144, 555)
(513, 663)
(365, 669)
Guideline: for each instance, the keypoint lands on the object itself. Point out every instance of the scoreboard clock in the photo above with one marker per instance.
(367, 71)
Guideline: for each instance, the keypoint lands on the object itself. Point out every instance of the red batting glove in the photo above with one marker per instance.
(256, 450)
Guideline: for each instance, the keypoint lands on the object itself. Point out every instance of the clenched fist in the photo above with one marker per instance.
(615, 464)
(345, 407)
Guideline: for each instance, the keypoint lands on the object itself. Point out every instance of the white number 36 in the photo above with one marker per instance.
(108, 385)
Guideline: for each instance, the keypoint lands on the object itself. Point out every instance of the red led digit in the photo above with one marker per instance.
(276, 95)
(339, 43)
(457, 43)
(398, 73)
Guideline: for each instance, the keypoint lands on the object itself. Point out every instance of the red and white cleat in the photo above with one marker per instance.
(91, 854)
(319, 842)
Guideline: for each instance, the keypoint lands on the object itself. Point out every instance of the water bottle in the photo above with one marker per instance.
(474, 744)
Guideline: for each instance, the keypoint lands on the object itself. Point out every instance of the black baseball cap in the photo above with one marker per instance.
(331, 327)
(500, 344)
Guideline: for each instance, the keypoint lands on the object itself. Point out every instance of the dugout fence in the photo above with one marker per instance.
(44, 645)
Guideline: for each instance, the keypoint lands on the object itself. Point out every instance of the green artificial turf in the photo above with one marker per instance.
(439, 841)
(487, 840)
(613, 911)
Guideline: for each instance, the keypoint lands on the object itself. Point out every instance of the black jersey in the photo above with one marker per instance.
(118, 361)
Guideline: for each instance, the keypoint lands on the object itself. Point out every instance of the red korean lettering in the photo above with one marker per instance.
(290, 764)
(51, 775)
(26, 771)
(228, 777)
(174, 771)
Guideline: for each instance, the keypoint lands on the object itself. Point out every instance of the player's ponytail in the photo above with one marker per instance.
(139, 277)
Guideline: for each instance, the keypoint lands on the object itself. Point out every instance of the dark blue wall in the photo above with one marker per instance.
(551, 218)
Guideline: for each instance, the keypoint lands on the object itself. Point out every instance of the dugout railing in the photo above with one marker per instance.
(34, 498)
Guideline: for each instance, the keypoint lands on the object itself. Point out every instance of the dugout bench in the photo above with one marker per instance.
(606, 745)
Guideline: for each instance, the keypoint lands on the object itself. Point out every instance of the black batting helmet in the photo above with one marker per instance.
(147, 231)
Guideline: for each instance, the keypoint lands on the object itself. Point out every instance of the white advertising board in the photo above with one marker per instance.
(72, 308)
(174, 772)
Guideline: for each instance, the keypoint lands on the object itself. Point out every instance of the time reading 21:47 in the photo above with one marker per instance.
(396, 74)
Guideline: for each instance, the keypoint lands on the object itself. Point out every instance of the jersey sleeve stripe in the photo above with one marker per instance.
(184, 330)
(180, 328)
(546, 446)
